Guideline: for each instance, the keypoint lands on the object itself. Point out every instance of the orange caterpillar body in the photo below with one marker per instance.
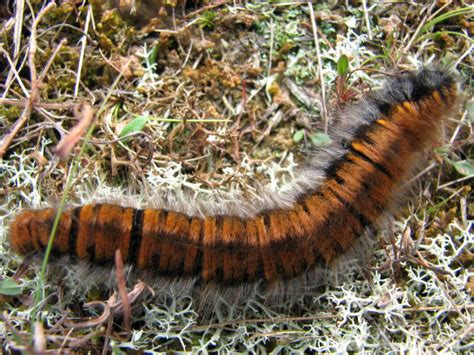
(371, 157)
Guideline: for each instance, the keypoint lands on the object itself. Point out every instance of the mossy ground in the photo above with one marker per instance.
(219, 95)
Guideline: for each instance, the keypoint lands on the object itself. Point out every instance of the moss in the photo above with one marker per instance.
(10, 113)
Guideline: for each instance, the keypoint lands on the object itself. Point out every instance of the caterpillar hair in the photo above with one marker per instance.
(342, 194)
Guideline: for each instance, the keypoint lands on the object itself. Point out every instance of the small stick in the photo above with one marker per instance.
(93, 322)
(127, 311)
(43, 105)
(270, 54)
(320, 67)
(208, 7)
(83, 41)
(85, 119)
(35, 84)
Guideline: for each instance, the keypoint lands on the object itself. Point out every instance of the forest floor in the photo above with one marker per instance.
(209, 99)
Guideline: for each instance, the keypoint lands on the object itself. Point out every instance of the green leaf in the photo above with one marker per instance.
(443, 17)
(342, 65)
(320, 139)
(298, 136)
(207, 19)
(442, 150)
(10, 288)
(153, 54)
(463, 167)
(116, 109)
(135, 125)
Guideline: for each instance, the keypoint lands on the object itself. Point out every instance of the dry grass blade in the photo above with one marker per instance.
(324, 111)
(39, 338)
(85, 116)
(122, 288)
(35, 84)
(93, 322)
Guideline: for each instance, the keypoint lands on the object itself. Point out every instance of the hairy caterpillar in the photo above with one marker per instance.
(344, 191)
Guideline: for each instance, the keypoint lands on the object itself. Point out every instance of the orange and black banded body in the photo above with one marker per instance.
(393, 126)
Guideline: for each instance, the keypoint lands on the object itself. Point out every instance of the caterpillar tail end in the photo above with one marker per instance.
(31, 229)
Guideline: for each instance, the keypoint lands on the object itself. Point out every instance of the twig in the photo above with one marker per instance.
(208, 7)
(65, 340)
(80, 342)
(417, 31)
(458, 128)
(15, 333)
(278, 333)
(442, 348)
(422, 262)
(35, 84)
(265, 320)
(122, 289)
(270, 54)
(19, 13)
(108, 332)
(39, 338)
(455, 182)
(16, 128)
(94, 322)
(43, 105)
(67, 143)
(320, 67)
(15, 73)
(464, 55)
(437, 308)
(420, 174)
(51, 59)
(83, 50)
